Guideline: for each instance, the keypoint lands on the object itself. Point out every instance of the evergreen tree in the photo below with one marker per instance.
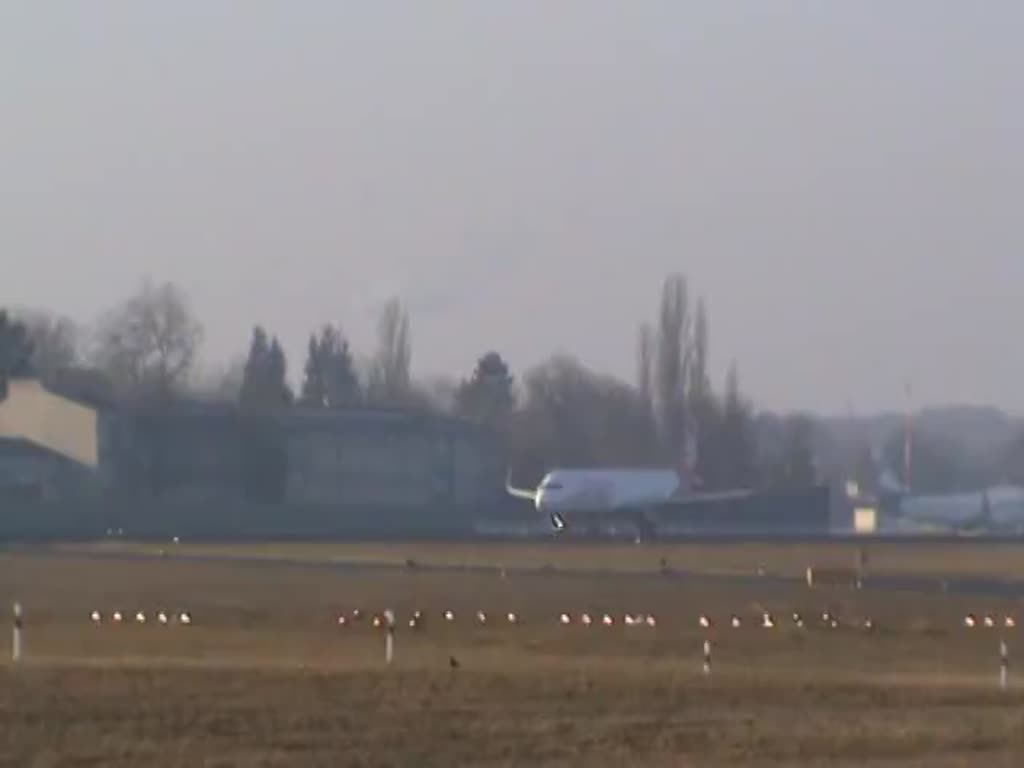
(278, 391)
(330, 376)
(314, 382)
(253, 376)
(15, 350)
(263, 392)
(487, 397)
(672, 365)
(264, 381)
(342, 382)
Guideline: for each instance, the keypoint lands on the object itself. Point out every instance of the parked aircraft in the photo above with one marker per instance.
(999, 509)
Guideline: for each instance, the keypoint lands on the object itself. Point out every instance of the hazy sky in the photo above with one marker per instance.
(841, 180)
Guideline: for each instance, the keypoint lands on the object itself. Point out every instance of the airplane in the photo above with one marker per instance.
(594, 495)
(994, 510)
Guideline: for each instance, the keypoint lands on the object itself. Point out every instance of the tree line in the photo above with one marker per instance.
(559, 412)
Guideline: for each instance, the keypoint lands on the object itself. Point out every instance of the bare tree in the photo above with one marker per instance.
(147, 345)
(390, 380)
(644, 364)
(54, 343)
(644, 380)
(221, 383)
(574, 416)
(700, 384)
(701, 405)
(737, 439)
(787, 450)
(440, 393)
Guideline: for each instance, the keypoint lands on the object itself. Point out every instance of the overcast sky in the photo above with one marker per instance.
(842, 181)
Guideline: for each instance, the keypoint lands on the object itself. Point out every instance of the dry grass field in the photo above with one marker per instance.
(264, 676)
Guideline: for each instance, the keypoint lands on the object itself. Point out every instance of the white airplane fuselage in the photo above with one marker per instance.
(598, 491)
(590, 493)
(594, 494)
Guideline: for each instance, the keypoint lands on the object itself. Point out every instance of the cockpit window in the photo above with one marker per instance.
(552, 485)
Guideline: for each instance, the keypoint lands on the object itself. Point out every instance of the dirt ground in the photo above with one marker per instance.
(264, 674)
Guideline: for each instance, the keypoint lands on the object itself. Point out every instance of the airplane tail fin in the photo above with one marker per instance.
(519, 493)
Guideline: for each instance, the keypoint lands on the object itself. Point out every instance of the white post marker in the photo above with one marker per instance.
(389, 637)
(707, 657)
(16, 639)
(1004, 665)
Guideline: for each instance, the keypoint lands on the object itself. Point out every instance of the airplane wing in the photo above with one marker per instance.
(711, 496)
(519, 493)
(688, 499)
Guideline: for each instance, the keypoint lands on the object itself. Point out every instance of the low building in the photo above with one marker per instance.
(177, 453)
(35, 474)
(191, 466)
(366, 458)
(64, 425)
(134, 453)
(407, 467)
